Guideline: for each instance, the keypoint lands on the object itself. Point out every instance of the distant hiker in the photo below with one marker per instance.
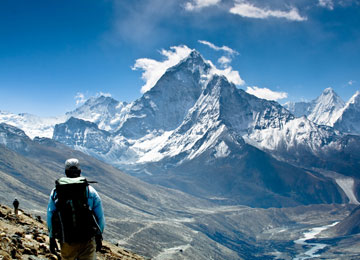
(75, 216)
(16, 206)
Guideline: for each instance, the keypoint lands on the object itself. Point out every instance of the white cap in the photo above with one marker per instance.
(72, 163)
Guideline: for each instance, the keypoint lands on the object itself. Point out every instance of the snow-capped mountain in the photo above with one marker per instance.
(161, 123)
(87, 134)
(207, 156)
(165, 105)
(32, 125)
(13, 137)
(207, 123)
(324, 110)
(145, 124)
(349, 117)
(194, 128)
(104, 111)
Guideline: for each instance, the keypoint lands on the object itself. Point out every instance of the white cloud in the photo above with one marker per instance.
(223, 48)
(266, 93)
(153, 69)
(232, 75)
(329, 4)
(224, 61)
(79, 98)
(200, 4)
(248, 10)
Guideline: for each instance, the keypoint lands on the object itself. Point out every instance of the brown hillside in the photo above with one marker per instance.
(25, 237)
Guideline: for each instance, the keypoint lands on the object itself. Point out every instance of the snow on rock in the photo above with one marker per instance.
(324, 110)
(166, 104)
(222, 150)
(105, 111)
(32, 125)
(299, 131)
(348, 185)
(348, 120)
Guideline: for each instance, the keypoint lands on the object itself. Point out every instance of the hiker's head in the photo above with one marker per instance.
(72, 168)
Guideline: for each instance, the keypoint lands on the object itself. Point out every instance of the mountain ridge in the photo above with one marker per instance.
(190, 112)
(216, 168)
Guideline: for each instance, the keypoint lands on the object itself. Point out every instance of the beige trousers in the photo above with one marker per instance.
(79, 251)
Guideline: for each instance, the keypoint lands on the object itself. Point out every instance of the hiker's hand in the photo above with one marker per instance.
(98, 240)
(53, 246)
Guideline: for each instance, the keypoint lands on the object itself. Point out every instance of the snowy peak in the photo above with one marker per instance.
(223, 110)
(100, 102)
(243, 112)
(32, 125)
(326, 107)
(103, 110)
(349, 118)
(355, 99)
(330, 98)
(328, 92)
(324, 110)
(193, 61)
(203, 130)
(164, 107)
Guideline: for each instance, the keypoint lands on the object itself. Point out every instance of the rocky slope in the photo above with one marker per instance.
(146, 219)
(25, 237)
(350, 225)
(156, 222)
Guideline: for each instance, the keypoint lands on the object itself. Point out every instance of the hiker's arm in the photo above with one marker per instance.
(50, 210)
(97, 208)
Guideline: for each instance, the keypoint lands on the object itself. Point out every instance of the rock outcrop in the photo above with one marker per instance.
(25, 237)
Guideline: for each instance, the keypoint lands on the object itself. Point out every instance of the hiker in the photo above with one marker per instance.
(75, 216)
(16, 206)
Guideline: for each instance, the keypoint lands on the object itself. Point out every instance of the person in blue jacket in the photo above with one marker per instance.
(77, 250)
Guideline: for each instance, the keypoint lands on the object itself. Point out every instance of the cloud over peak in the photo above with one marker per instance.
(153, 69)
(266, 93)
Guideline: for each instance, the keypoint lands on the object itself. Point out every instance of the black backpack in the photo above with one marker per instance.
(73, 221)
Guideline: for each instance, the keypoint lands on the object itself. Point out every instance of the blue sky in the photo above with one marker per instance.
(54, 54)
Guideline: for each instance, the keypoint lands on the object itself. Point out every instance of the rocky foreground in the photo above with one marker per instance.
(25, 237)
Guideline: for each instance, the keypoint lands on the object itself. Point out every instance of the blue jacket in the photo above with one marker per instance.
(94, 203)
